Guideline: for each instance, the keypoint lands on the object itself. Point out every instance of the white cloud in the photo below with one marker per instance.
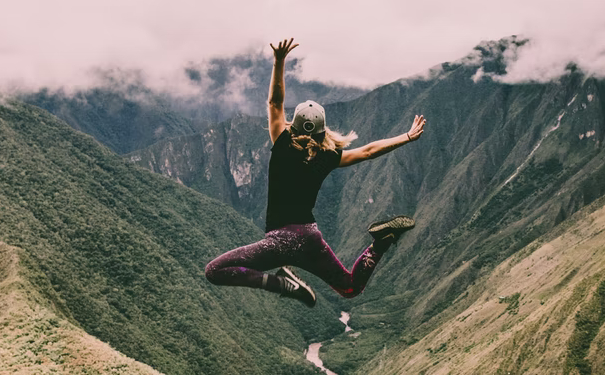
(61, 43)
(478, 75)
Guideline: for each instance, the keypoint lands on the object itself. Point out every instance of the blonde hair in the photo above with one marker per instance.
(332, 140)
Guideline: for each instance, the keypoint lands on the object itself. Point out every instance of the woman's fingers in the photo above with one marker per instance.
(417, 120)
(284, 46)
(417, 127)
(290, 47)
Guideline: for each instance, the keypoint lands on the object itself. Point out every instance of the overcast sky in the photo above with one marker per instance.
(59, 42)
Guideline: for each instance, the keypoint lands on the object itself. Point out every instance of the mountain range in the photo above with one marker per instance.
(503, 273)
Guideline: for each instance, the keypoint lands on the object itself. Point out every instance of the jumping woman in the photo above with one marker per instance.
(304, 152)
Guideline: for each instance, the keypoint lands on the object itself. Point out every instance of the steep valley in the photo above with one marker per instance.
(541, 311)
(499, 166)
(502, 274)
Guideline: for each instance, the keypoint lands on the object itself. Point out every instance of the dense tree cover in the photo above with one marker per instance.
(124, 252)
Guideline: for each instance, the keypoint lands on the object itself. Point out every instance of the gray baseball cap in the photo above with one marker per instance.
(309, 118)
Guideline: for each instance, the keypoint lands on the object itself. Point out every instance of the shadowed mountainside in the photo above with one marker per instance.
(228, 162)
(122, 251)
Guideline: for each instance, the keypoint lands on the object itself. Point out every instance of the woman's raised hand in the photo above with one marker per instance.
(417, 128)
(283, 48)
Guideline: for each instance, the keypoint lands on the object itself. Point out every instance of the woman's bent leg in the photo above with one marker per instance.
(297, 245)
(244, 266)
(320, 260)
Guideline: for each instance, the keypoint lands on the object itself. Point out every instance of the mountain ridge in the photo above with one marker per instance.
(499, 166)
(37, 337)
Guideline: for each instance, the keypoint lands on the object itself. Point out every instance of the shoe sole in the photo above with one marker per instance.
(286, 271)
(396, 224)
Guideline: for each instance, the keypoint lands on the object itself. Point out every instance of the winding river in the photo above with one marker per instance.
(313, 351)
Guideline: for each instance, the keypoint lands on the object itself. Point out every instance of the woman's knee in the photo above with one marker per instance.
(348, 292)
(211, 272)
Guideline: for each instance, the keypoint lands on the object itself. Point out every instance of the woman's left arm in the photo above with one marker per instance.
(277, 90)
(383, 146)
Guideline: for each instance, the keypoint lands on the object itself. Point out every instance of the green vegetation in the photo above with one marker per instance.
(122, 121)
(465, 212)
(122, 254)
(347, 353)
(501, 166)
(589, 320)
(35, 339)
(513, 303)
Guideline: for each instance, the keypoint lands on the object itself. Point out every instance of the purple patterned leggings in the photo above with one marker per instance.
(298, 245)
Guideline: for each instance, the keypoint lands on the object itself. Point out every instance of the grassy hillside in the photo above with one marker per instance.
(541, 311)
(35, 338)
(124, 252)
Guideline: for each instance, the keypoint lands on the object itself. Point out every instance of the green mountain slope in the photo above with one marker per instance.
(38, 339)
(227, 162)
(124, 251)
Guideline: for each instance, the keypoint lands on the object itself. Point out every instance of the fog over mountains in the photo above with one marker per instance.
(504, 272)
(125, 114)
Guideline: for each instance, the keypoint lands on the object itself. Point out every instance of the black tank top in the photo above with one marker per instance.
(295, 182)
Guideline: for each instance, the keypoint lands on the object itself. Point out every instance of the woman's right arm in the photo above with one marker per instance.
(277, 90)
(383, 146)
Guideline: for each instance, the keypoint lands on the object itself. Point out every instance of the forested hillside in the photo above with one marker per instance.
(120, 252)
(541, 311)
(36, 338)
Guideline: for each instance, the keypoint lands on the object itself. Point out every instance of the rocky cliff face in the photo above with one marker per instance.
(228, 161)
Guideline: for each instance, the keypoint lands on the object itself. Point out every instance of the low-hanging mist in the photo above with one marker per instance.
(64, 44)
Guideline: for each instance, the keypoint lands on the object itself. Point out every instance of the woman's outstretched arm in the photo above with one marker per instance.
(383, 146)
(277, 90)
